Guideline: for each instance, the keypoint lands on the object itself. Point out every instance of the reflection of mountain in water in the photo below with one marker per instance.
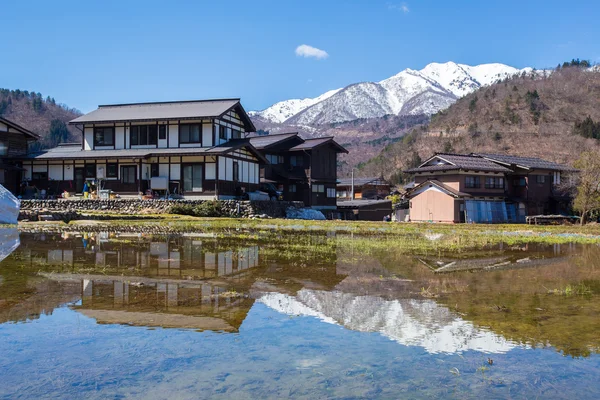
(409, 322)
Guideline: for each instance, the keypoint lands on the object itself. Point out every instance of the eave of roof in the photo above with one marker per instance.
(451, 191)
(20, 128)
(165, 111)
(272, 140)
(310, 144)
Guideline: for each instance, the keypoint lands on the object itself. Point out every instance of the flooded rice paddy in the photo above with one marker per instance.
(319, 315)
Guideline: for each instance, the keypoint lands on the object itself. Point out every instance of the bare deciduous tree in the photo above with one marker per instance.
(587, 198)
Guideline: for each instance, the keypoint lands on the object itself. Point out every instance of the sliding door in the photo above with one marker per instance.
(192, 177)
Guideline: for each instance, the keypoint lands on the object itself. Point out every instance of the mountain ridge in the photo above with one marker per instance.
(409, 92)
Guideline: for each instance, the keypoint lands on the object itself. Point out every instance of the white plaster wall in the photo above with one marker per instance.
(119, 136)
(88, 138)
(27, 173)
(175, 172)
(228, 169)
(173, 135)
(40, 168)
(207, 135)
(55, 172)
(163, 169)
(69, 173)
(222, 168)
(211, 170)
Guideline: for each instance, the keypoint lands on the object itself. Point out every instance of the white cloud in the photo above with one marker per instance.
(305, 50)
(399, 7)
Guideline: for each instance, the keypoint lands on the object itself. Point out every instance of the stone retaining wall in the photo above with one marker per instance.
(67, 210)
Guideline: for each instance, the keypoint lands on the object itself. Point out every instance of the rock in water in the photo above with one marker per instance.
(9, 207)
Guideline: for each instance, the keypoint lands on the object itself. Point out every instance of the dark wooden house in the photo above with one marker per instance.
(14, 142)
(305, 170)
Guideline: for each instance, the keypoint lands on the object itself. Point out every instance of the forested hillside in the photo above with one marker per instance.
(550, 114)
(40, 115)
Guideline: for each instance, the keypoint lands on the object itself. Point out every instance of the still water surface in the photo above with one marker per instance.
(104, 315)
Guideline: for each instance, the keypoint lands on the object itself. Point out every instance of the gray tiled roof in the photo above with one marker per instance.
(310, 144)
(526, 162)
(261, 142)
(361, 181)
(461, 162)
(152, 111)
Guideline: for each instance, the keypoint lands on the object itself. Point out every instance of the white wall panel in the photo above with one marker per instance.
(55, 172)
(207, 135)
(88, 138)
(69, 176)
(28, 170)
(173, 135)
(228, 169)
(175, 172)
(244, 171)
(40, 168)
(163, 169)
(211, 170)
(222, 168)
(119, 137)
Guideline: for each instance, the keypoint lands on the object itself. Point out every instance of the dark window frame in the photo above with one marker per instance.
(124, 176)
(87, 171)
(222, 132)
(494, 182)
(540, 179)
(202, 177)
(162, 132)
(474, 184)
(111, 131)
(236, 171)
(154, 170)
(112, 170)
(145, 135)
(189, 138)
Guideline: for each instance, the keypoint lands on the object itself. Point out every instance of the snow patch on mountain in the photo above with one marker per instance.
(409, 92)
(283, 110)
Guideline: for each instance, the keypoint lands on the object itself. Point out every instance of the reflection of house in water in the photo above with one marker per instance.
(168, 304)
(179, 256)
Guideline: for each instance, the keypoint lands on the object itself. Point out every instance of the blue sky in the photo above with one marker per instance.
(85, 53)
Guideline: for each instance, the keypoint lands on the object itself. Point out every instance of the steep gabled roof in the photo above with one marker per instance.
(362, 182)
(19, 128)
(266, 141)
(525, 162)
(310, 144)
(449, 162)
(169, 110)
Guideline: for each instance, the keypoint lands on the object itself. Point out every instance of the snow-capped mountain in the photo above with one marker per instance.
(409, 92)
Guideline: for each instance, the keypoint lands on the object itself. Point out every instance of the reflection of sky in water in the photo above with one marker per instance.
(275, 355)
(409, 322)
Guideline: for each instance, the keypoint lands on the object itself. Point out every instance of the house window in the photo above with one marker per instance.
(112, 170)
(104, 136)
(190, 133)
(331, 192)
(128, 173)
(540, 179)
(292, 188)
(154, 170)
(222, 133)
(162, 132)
(235, 134)
(275, 159)
(296, 161)
(520, 182)
(494, 183)
(318, 188)
(472, 182)
(192, 178)
(143, 135)
(3, 148)
(39, 176)
(90, 170)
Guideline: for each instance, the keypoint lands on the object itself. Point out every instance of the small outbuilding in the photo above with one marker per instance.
(364, 210)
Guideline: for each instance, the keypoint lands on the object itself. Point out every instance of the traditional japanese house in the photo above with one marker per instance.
(305, 169)
(196, 148)
(14, 142)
